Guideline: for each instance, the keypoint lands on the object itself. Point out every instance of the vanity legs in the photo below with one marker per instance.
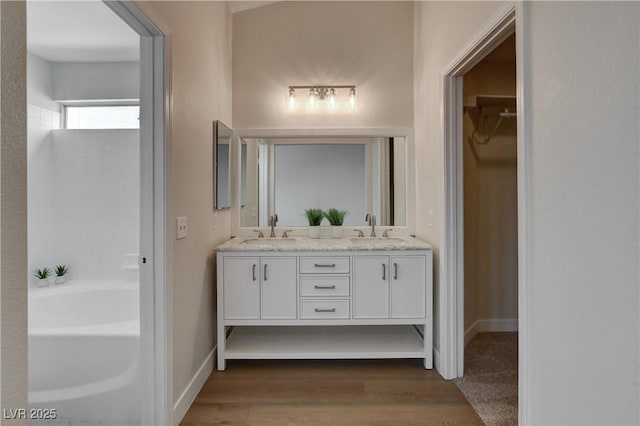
(222, 340)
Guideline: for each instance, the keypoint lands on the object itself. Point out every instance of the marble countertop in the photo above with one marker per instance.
(323, 244)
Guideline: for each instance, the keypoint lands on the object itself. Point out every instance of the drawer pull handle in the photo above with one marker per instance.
(324, 265)
(324, 287)
(325, 310)
(384, 271)
(254, 271)
(265, 272)
(395, 271)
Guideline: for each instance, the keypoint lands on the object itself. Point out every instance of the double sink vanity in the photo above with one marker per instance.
(292, 297)
(302, 298)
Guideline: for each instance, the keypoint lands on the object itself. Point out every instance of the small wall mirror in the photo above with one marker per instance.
(221, 160)
(287, 175)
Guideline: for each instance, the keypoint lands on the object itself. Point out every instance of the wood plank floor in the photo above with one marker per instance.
(335, 392)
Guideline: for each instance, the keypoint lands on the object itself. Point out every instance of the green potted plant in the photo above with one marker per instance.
(61, 271)
(336, 219)
(42, 276)
(314, 217)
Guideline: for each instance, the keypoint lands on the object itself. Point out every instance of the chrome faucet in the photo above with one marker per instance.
(371, 219)
(272, 223)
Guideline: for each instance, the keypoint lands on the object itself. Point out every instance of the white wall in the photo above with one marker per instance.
(201, 82)
(84, 202)
(436, 43)
(490, 198)
(582, 102)
(300, 43)
(40, 83)
(95, 80)
(13, 209)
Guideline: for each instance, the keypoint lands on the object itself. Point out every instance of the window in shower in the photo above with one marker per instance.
(102, 117)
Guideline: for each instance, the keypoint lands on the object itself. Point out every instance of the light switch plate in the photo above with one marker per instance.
(215, 220)
(430, 219)
(181, 228)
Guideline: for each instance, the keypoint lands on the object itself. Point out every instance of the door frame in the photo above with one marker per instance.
(155, 246)
(451, 284)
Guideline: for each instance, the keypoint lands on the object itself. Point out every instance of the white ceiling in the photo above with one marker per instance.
(79, 31)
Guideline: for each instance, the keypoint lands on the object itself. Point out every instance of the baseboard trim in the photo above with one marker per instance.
(485, 325)
(436, 361)
(189, 394)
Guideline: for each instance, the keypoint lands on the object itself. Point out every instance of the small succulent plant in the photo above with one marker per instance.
(61, 270)
(42, 274)
(335, 216)
(314, 216)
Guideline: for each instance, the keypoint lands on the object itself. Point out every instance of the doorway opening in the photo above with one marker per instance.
(96, 167)
(490, 204)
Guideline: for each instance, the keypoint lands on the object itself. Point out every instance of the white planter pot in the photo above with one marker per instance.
(42, 282)
(336, 231)
(60, 280)
(314, 232)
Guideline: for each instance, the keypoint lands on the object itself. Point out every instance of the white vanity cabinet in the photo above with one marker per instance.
(389, 286)
(331, 299)
(259, 288)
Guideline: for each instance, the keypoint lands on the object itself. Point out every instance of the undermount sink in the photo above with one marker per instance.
(274, 241)
(376, 240)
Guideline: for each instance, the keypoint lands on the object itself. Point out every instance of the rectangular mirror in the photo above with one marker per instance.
(221, 160)
(287, 175)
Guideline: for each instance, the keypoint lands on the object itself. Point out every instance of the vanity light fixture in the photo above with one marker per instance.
(325, 98)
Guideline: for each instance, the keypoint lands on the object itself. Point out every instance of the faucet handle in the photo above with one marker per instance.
(285, 234)
(260, 234)
(360, 233)
(385, 234)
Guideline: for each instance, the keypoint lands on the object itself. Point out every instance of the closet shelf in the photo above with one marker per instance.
(475, 101)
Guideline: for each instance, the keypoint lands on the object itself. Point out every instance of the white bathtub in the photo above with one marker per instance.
(84, 346)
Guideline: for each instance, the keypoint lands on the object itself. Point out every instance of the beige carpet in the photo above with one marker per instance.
(490, 381)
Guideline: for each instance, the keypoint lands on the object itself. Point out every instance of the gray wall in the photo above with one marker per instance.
(323, 42)
(201, 83)
(95, 80)
(436, 44)
(582, 103)
(13, 208)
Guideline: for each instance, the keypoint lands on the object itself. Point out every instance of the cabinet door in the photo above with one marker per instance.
(408, 283)
(241, 287)
(279, 283)
(371, 287)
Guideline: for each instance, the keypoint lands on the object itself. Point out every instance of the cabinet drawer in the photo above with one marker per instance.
(324, 286)
(324, 309)
(324, 265)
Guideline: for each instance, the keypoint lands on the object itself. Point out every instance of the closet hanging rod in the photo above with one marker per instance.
(506, 114)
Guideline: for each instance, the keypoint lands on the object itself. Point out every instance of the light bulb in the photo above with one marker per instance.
(332, 99)
(313, 99)
(352, 98)
(292, 100)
